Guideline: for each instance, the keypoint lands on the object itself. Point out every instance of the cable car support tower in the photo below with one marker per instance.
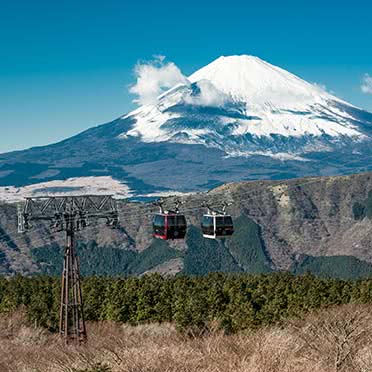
(69, 214)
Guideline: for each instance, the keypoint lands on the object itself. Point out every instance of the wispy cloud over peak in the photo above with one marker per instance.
(153, 78)
(366, 86)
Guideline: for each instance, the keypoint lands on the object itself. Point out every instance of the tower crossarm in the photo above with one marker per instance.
(68, 208)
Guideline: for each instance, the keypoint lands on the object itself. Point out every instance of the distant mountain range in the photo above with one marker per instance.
(238, 118)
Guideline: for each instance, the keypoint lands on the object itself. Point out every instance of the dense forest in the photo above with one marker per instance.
(231, 302)
(243, 252)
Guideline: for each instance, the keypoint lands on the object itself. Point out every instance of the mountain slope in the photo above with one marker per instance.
(321, 224)
(238, 118)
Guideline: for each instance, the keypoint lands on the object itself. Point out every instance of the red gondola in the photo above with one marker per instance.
(169, 224)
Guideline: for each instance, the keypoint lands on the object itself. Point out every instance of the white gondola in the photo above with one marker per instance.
(217, 224)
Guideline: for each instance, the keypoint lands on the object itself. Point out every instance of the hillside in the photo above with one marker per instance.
(318, 224)
(305, 346)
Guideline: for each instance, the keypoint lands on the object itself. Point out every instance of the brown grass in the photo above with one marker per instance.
(334, 340)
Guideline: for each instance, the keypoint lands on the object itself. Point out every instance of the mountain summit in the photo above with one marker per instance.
(238, 118)
(258, 83)
(243, 105)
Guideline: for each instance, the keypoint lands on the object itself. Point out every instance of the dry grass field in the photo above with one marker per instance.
(332, 340)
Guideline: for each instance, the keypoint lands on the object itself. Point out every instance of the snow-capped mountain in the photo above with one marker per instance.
(238, 118)
(243, 105)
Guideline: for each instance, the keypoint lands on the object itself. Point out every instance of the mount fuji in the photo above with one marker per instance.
(238, 118)
(243, 105)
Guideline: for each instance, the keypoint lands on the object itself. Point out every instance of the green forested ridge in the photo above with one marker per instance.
(157, 253)
(207, 255)
(243, 252)
(233, 301)
(247, 246)
(108, 261)
(345, 267)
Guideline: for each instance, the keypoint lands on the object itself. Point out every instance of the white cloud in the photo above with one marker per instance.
(366, 86)
(320, 86)
(323, 87)
(209, 95)
(155, 77)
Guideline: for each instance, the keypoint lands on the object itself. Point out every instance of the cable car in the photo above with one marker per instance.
(217, 224)
(169, 224)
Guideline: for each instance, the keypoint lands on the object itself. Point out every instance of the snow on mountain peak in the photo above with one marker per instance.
(235, 101)
(258, 83)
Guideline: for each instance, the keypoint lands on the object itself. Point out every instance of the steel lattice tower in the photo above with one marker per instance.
(69, 214)
(71, 319)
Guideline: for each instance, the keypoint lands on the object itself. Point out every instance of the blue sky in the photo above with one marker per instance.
(66, 66)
